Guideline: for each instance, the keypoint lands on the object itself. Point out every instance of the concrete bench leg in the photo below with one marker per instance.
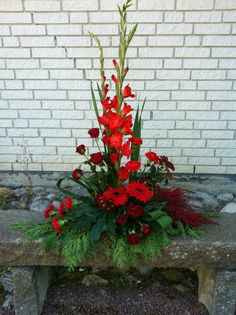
(30, 288)
(217, 290)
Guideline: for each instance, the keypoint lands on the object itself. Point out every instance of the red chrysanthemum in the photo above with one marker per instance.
(105, 205)
(152, 156)
(127, 92)
(48, 210)
(56, 226)
(96, 158)
(139, 191)
(133, 239)
(93, 132)
(135, 211)
(123, 173)
(117, 195)
(80, 149)
(122, 219)
(133, 166)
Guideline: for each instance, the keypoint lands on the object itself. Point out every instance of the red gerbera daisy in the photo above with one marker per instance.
(117, 195)
(139, 191)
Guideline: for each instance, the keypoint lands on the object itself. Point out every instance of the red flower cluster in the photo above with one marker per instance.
(96, 158)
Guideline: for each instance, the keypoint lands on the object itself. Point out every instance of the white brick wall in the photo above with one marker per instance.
(182, 59)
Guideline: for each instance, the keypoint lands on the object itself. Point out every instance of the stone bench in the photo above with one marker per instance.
(213, 256)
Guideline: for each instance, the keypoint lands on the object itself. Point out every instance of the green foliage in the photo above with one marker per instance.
(34, 231)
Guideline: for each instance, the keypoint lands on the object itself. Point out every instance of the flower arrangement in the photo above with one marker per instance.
(127, 209)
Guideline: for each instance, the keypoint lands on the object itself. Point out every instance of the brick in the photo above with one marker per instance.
(192, 40)
(80, 17)
(48, 52)
(24, 104)
(204, 161)
(40, 84)
(57, 63)
(60, 142)
(184, 134)
(14, 53)
(145, 29)
(162, 85)
(21, 123)
(66, 74)
(76, 124)
(57, 133)
(32, 41)
(156, 5)
(22, 63)
(165, 115)
(69, 114)
(221, 144)
(229, 16)
(4, 30)
(30, 141)
(197, 52)
(172, 74)
(145, 63)
(202, 115)
(224, 106)
(204, 17)
(24, 132)
(210, 125)
(221, 95)
(99, 29)
(11, 5)
(163, 105)
(14, 84)
(219, 41)
(35, 114)
(6, 123)
(64, 29)
(74, 41)
(29, 74)
(51, 18)
(226, 152)
(214, 85)
(47, 158)
(231, 74)
(44, 123)
(229, 161)
(173, 17)
(229, 4)
(230, 170)
(28, 30)
(212, 28)
(165, 40)
(198, 152)
(194, 4)
(16, 94)
(188, 85)
(50, 94)
(217, 134)
(43, 150)
(224, 52)
(200, 63)
(74, 5)
(173, 28)
(228, 115)
(73, 85)
(6, 74)
(154, 95)
(15, 18)
(42, 5)
(184, 124)
(187, 95)
(74, 95)
(10, 42)
(157, 125)
(208, 74)
(57, 104)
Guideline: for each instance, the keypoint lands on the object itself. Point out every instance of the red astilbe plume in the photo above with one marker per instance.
(177, 207)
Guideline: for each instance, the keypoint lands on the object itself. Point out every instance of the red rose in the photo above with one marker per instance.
(96, 158)
(77, 173)
(133, 239)
(122, 219)
(56, 226)
(146, 229)
(93, 132)
(133, 166)
(80, 149)
(135, 211)
(136, 141)
(152, 156)
(127, 92)
(47, 211)
(123, 173)
(68, 203)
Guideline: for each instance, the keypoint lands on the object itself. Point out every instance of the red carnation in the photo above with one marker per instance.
(146, 229)
(68, 203)
(96, 158)
(56, 226)
(47, 211)
(122, 219)
(80, 149)
(152, 156)
(127, 92)
(133, 239)
(123, 173)
(114, 157)
(117, 195)
(93, 132)
(61, 209)
(139, 191)
(135, 211)
(136, 141)
(133, 166)
(77, 173)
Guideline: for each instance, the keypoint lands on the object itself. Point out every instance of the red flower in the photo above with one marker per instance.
(165, 160)
(47, 211)
(116, 140)
(56, 226)
(107, 104)
(123, 174)
(122, 219)
(114, 63)
(115, 122)
(117, 195)
(61, 209)
(133, 166)
(152, 156)
(114, 79)
(104, 204)
(77, 173)
(126, 109)
(96, 158)
(146, 229)
(139, 191)
(93, 132)
(127, 124)
(135, 211)
(104, 120)
(133, 239)
(136, 141)
(127, 92)
(125, 71)
(114, 157)
(125, 149)
(80, 149)
(68, 203)
(105, 89)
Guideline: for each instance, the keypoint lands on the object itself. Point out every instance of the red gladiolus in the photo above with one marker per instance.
(152, 156)
(105, 89)
(56, 226)
(104, 120)
(81, 149)
(109, 104)
(146, 229)
(68, 203)
(126, 109)
(114, 79)
(122, 219)
(125, 149)
(93, 132)
(77, 173)
(133, 239)
(128, 92)
(114, 63)
(115, 122)
(116, 140)
(136, 141)
(135, 211)
(117, 195)
(61, 209)
(133, 166)
(47, 211)
(139, 191)
(125, 71)
(114, 157)
(96, 158)
(123, 174)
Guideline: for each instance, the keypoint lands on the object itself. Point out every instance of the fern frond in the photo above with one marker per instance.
(32, 230)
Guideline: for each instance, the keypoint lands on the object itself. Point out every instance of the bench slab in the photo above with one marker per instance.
(217, 249)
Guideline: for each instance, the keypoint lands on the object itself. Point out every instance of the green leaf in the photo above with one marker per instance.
(99, 91)
(156, 214)
(165, 221)
(97, 230)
